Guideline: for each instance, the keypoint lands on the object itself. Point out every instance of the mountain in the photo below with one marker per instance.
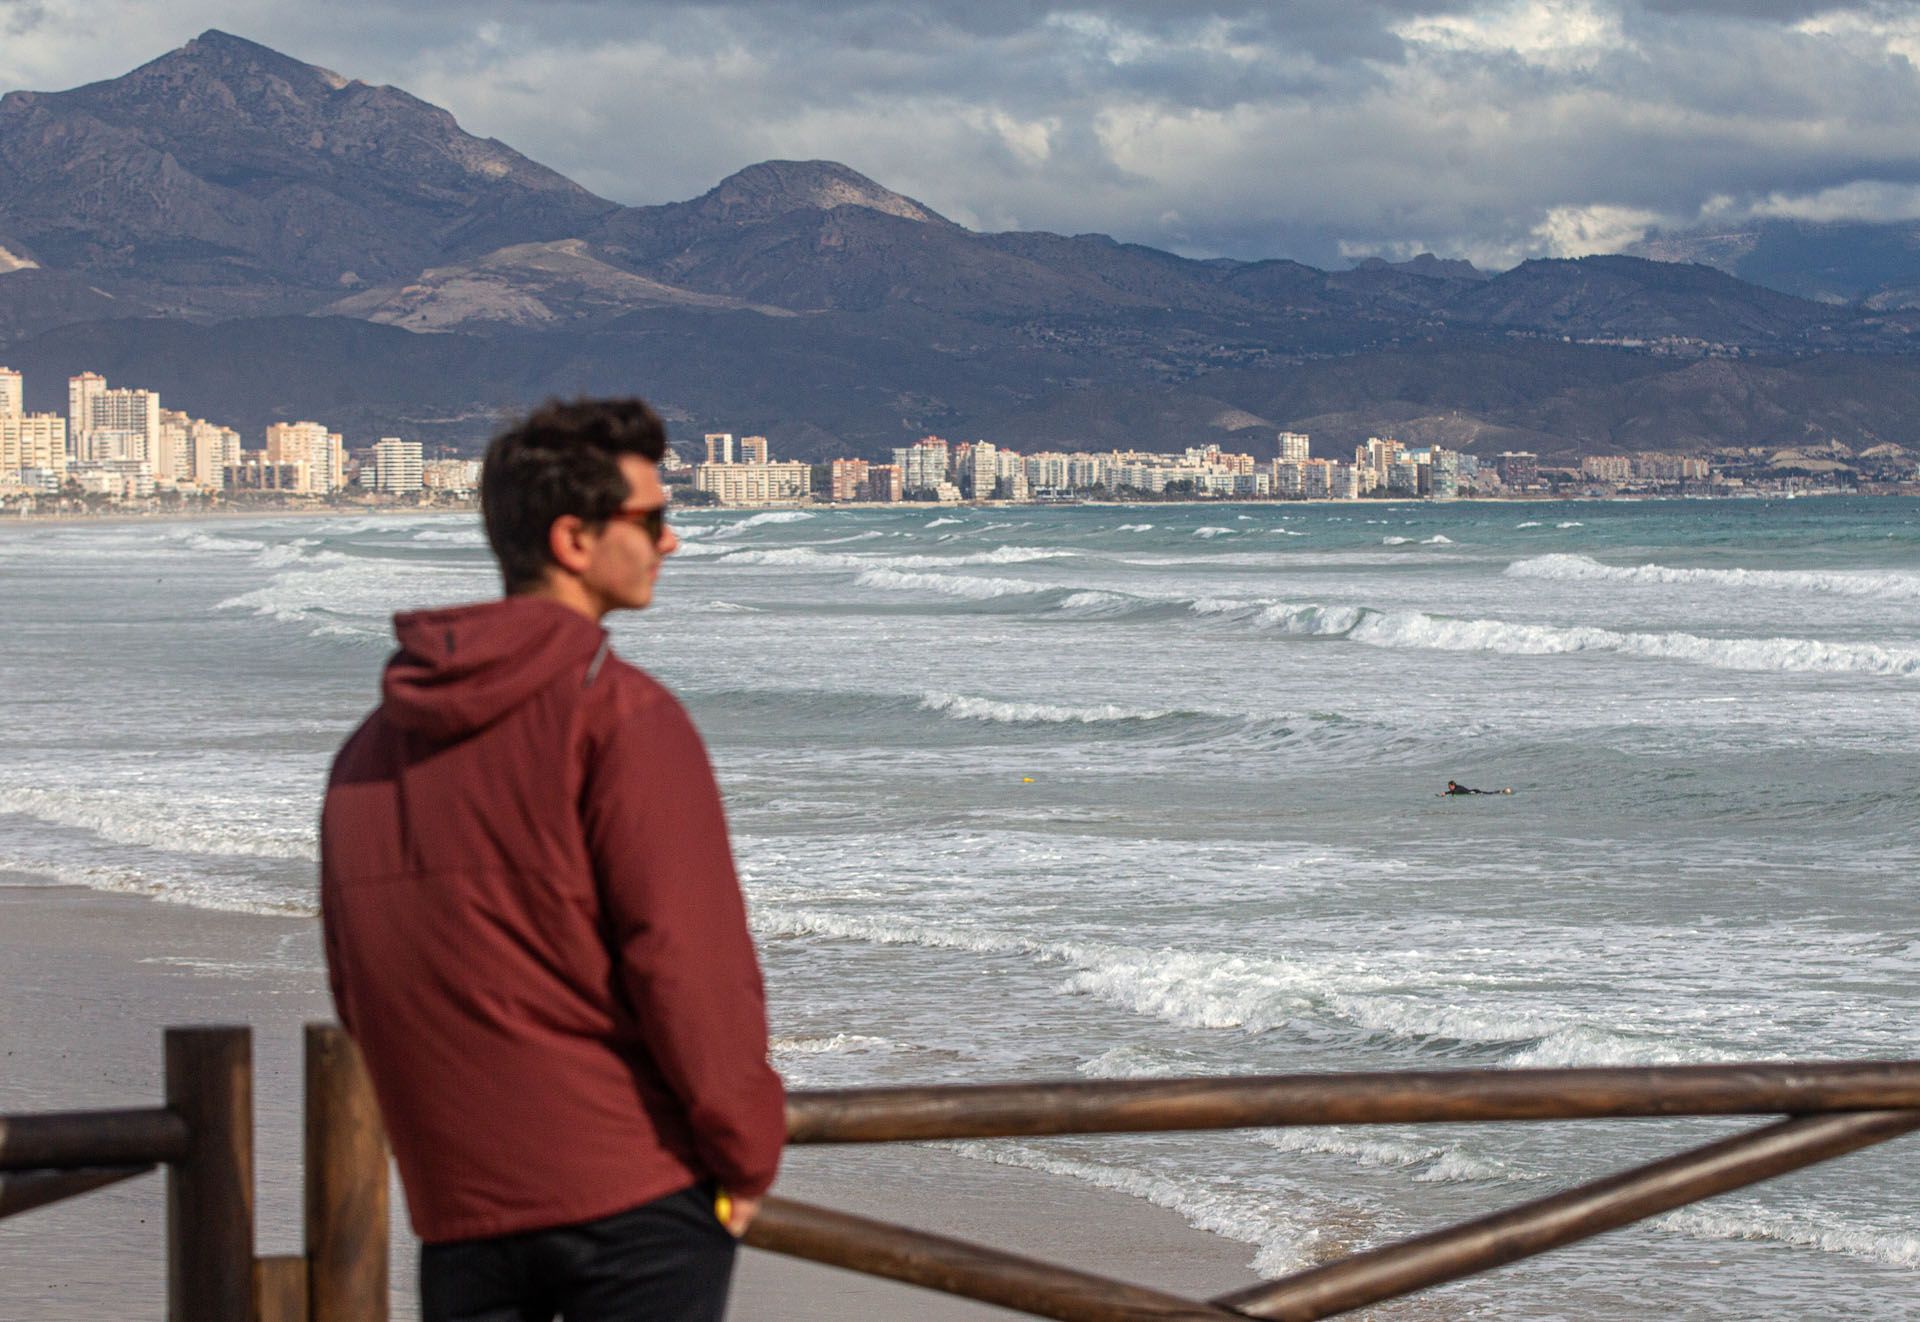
(223, 164)
(260, 238)
(1834, 262)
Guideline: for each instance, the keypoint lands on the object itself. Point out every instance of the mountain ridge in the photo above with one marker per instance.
(226, 181)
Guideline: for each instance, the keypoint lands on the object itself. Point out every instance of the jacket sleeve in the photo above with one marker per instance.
(658, 836)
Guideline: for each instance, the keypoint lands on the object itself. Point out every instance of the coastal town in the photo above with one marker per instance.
(118, 449)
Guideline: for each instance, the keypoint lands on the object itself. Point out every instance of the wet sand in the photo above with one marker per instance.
(92, 978)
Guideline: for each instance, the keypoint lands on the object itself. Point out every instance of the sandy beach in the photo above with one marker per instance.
(93, 978)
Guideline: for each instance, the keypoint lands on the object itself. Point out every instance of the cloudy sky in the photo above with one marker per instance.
(1314, 129)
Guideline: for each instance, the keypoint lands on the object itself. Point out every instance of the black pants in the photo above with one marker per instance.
(669, 1260)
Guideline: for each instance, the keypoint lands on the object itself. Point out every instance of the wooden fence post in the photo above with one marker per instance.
(346, 1184)
(210, 1191)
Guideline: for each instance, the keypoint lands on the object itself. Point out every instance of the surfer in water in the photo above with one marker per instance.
(1455, 787)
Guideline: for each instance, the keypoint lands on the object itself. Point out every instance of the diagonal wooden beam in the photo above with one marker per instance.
(22, 1191)
(1004, 1110)
(1565, 1218)
(954, 1266)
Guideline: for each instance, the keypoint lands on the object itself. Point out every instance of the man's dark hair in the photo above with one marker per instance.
(560, 459)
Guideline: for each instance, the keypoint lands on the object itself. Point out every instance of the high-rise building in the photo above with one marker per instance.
(34, 442)
(211, 449)
(399, 467)
(12, 394)
(118, 425)
(719, 447)
(309, 443)
(1293, 446)
(753, 450)
(82, 390)
(983, 469)
(883, 482)
(923, 465)
(846, 477)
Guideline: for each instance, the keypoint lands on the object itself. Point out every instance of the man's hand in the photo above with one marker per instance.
(738, 1213)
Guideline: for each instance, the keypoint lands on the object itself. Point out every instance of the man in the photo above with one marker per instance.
(1455, 787)
(533, 927)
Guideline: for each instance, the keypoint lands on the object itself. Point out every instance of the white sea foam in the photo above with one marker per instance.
(1438, 539)
(1138, 1062)
(771, 516)
(1213, 532)
(205, 541)
(803, 557)
(1530, 523)
(1570, 523)
(966, 708)
(941, 523)
(1415, 629)
(1431, 1163)
(196, 891)
(452, 536)
(833, 1045)
(356, 595)
(1095, 603)
(1218, 991)
(950, 585)
(1395, 541)
(1807, 655)
(159, 823)
(1280, 1229)
(1809, 1230)
(1580, 568)
(1134, 527)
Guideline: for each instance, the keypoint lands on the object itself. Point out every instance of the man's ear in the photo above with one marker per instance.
(570, 543)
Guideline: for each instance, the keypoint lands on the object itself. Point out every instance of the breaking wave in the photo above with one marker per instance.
(1580, 568)
(1415, 629)
(965, 708)
(1221, 991)
(760, 521)
(1826, 1233)
(803, 557)
(975, 589)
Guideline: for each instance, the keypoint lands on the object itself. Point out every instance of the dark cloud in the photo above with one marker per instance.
(1308, 128)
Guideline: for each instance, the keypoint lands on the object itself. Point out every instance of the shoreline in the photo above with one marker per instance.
(1367, 502)
(112, 970)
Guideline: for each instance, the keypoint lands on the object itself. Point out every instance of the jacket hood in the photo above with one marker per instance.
(462, 668)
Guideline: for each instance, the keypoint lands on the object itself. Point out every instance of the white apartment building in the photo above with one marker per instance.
(311, 444)
(1607, 467)
(210, 449)
(32, 442)
(122, 425)
(13, 399)
(399, 467)
(753, 450)
(754, 484)
(719, 447)
(1293, 446)
(923, 465)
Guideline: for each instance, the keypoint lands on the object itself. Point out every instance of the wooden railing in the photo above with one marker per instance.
(203, 1135)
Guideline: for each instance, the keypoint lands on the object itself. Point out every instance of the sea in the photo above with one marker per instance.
(1112, 792)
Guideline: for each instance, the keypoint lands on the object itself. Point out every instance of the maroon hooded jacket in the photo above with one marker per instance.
(534, 931)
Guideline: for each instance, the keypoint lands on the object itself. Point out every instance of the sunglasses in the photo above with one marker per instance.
(652, 522)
